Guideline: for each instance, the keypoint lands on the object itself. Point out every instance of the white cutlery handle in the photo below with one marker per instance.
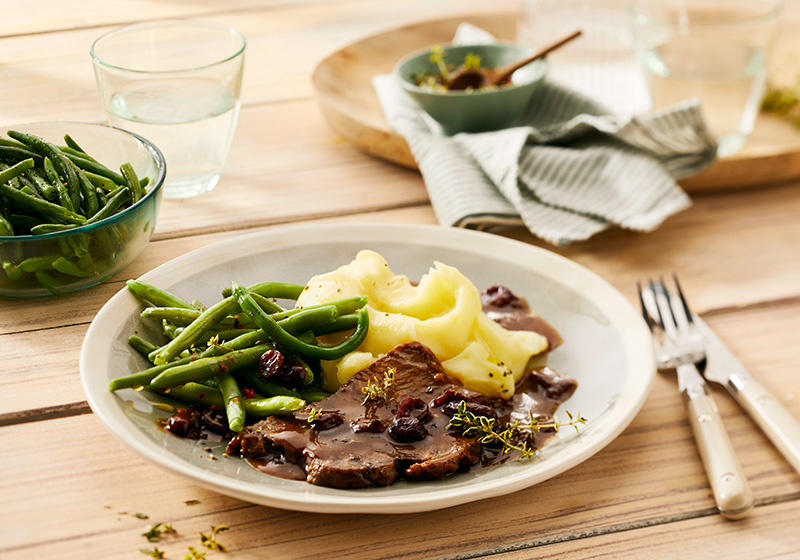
(776, 422)
(728, 483)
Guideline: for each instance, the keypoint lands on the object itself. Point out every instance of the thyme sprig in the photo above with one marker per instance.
(374, 391)
(314, 415)
(154, 532)
(509, 436)
(210, 541)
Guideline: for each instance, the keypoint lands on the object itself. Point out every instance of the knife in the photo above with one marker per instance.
(774, 420)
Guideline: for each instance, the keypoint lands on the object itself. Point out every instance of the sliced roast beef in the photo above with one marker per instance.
(413, 445)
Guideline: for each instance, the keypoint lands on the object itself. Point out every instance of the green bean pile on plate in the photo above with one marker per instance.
(213, 352)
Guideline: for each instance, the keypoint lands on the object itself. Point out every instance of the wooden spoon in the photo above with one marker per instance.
(463, 78)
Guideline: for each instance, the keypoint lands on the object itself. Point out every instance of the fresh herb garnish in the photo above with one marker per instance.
(154, 532)
(210, 541)
(153, 552)
(511, 437)
(374, 391)
(194, 554)
(314, 415)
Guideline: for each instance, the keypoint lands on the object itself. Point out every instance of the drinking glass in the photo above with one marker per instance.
(714, 50)
(176, 83)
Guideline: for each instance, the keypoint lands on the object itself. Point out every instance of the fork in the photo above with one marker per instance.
(678, 345)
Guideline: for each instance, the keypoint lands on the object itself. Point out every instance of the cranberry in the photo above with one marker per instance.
(407, 430)
(368, 425)
(475, 408)
(326, 421)
(274, 366)
(413, 407)
(499, 296)
(184, 423)
(269, 365)
(215, 420)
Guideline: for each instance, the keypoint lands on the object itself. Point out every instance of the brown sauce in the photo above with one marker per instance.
(534, 395)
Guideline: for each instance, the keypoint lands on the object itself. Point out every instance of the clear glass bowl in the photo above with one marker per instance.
(99, 250)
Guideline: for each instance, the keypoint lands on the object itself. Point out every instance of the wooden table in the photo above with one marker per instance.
(66, 480)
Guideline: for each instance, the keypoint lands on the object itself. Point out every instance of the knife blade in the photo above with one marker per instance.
(774, 420)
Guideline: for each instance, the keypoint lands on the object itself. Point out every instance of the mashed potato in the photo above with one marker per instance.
(443, 312)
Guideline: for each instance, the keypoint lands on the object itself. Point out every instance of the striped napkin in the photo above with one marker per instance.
(567, 168)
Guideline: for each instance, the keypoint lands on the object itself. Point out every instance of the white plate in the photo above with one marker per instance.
(607, 348)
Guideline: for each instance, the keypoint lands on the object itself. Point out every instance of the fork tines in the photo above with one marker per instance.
(662, 308)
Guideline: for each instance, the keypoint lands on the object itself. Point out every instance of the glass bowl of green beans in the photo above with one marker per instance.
(78, 202)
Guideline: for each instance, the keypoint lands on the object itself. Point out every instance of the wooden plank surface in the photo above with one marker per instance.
(67, 479)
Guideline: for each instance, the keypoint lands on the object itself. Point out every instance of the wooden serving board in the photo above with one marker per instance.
(343, 86)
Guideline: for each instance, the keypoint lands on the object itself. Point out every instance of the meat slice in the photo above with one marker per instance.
(358, 453)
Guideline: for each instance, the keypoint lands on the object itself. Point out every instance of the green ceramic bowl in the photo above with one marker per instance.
(477, 110)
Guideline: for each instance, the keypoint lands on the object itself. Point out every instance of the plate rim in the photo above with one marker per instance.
(638, 353)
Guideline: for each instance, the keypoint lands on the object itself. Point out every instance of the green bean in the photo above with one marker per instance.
(203, 368)
(48, 282)
(197, 304)
(228, 334)
(14, 153)
(178, 315)
(344, 306)
(102, 199)
(96, 168)
(282, 337)
(197, 393)
(72, 268)
(169, 329)
(250, 378)
(194, 331)
(22, 223)
(154, 295)
(280, 290)
(12, 271)
(110, 208)
(32, 264)
(10, 142)
(343, 323)
(99, 181)
(50, 228)
(234, 407)
(306, 319)
(91, 206)
(48, 191)
(267, 304)
(144, 377)
(49, 209)
(5, 227)
(74, 145)
(132, 182)
(77, 153)
(314, 395)
(58, 184)
(141, 345)
(60, 162)
(273, 406)
(17, 169)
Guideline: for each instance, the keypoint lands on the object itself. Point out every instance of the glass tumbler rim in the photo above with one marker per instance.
(771, 12)
(134, 27)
